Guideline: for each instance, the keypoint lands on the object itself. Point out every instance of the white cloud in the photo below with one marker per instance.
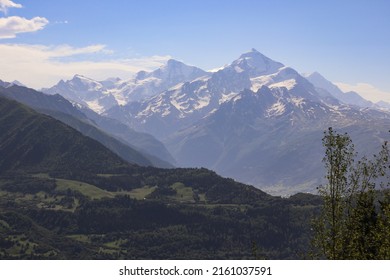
(61, 22)
(66, 50)
(367, 91)
(11, 26)
(40, 66)
(6, 4)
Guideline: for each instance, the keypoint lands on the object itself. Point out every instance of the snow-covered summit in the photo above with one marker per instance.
(80, 82)
(147, 84)
(256, 64)
(85, 91)
(173, 72)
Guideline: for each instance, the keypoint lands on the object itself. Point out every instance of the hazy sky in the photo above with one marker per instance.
(42, 41)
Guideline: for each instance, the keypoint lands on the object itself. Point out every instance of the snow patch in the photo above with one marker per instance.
(227, 97)
(166, 112)
(202, 102)
(237, 97)
(118, 96)
(95, 106)
(238, 69)
(336, 109)
(177, 87)
(210, 113)
(260, 81)
(276, 109)
(298, 102)
(289, 84)
(179, 106)
(285, 77)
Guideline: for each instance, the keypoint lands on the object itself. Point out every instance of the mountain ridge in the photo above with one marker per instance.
(351, 98)
(59, 108)
(35, 142)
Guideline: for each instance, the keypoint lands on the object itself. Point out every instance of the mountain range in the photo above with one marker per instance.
(255, 119)
(102, 95)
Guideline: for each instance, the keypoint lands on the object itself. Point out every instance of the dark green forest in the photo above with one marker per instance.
(43, 217)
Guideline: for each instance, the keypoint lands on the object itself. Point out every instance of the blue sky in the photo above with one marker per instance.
(346, 41)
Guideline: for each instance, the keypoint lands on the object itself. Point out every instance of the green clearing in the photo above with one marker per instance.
(109, 175)
(139, 193)
(80, 237)
(109, 251)
(202, 197)
(94, 192)
(183, 193)
(4, 225)
(116, 244)
(238, 207)
(85, 189)
(3, 193)
(42, 176)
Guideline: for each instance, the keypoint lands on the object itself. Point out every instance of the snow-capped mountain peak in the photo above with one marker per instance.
(256, 64)
(147, 84)
(111, 82)
(173, 71)
(85, 91)
(81, 82)
(102, 95)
